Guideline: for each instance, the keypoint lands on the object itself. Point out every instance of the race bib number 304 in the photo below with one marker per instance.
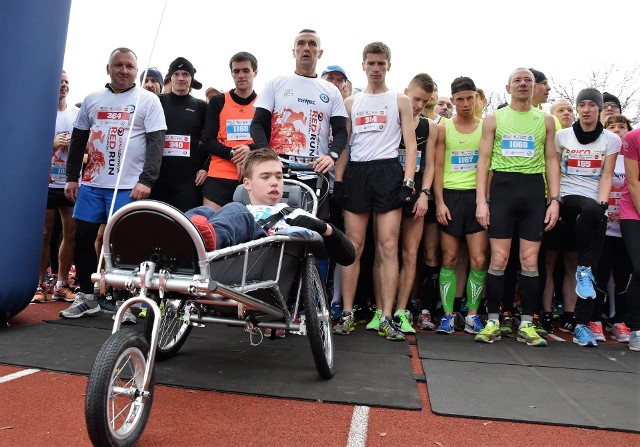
(518, 145)
(177, 146)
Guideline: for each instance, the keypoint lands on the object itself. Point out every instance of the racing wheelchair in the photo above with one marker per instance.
(153, 250)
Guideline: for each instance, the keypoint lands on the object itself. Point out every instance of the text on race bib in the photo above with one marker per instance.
(518, 145)
(177, 146)
(402, 155)
(238, 130)
(464, 160)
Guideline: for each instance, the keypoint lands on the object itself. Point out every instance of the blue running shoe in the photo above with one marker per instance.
(473, 324)
(446, 325)
(584, 282)
(583, 336)
(336, 310)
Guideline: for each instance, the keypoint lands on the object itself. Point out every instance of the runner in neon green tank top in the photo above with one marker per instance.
(454, 188)
(518, 143)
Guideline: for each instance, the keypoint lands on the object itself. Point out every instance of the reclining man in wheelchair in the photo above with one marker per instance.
(236, 223)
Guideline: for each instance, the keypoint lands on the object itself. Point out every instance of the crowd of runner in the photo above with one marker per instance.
(507, 224)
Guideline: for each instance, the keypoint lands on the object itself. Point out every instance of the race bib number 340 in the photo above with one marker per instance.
(177, 146)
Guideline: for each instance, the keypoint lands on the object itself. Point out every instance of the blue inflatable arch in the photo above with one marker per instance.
(33, 35)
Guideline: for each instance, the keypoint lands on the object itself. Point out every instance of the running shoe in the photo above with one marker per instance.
(374, 324)
(542, 332)
(361, 315)
(390, 329)
(596, 330)
(547, 322)
(582, 336)
(143, 312)
(41, 294)
(528, 334)
(490, 333)
(64, 293)
(280, 333)
(473, 324)
(558, 310)
(425, 322)
(127, 318)
(446, 325)
(405, 318)
(634, 341)
(107, 303)
(336, 310)
(464, 307)
(346, 325)
(84, 304)
(568, 323)
(584, 282)
(506, 327)
(620, 333)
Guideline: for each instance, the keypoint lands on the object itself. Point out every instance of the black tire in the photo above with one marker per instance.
(318, 319)
(174, 330)
(116, 410)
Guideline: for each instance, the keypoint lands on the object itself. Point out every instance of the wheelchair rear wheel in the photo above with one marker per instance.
(318, 319)
(116, 405)
(174, 330)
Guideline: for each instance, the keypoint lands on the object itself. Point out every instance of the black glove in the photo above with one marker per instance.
(338, 193)
(604, 206)
(309, 223)
(407, 196)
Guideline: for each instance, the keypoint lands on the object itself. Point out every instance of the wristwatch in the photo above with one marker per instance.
(231, 152)
(426, 191)
(556, 198)
(334, 155)
(603, 203)
(408, 183)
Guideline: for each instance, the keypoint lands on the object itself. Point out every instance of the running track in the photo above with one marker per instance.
(43, 408)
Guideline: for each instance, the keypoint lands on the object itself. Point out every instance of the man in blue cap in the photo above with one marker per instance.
(152, 81)
(338, 77)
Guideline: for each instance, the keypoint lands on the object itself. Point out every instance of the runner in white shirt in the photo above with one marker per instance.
(107, 119)
(296, 113)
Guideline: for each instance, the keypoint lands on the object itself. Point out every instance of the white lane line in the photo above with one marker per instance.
(359, 426)
(17, 375)
(555, 337)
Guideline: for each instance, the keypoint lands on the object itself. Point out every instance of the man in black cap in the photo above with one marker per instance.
(611, 106)
(455, 191)
(182, 169)
(541, 88)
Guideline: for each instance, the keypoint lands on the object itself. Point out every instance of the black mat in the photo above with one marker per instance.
(562, 384)
(220, 358)
(608, 356)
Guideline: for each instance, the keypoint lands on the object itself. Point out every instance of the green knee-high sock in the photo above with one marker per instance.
(475, 288)
(447, 288)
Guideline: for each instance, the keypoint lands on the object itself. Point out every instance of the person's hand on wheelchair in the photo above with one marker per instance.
(310, 223)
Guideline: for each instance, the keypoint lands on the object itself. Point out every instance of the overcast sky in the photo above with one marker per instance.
(445, 39)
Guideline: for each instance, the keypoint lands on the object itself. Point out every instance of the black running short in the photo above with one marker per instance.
(373, 186)
(462, 207)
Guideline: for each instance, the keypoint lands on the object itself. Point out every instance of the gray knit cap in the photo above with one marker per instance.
(591, 94)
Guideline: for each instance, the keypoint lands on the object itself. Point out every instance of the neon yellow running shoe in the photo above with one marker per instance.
(527, 334)
(374, 324)
(490, 333)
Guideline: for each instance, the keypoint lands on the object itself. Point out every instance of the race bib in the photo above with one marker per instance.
(177, 146)
(402, 155)
(113, 116)
(370, 121)
(58, 172)
(587, 164)
(464, 160)
(518, 145)
(238, 130)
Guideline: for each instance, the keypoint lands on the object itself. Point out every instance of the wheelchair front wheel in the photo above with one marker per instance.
(116, 405)
(174, 330)
(318, 319)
